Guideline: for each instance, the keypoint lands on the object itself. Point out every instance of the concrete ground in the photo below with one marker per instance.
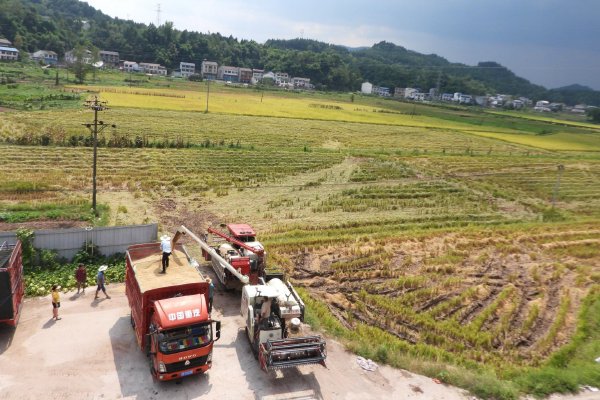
(91, 353)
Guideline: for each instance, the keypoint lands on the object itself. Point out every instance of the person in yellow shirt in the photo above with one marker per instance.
(55, 302)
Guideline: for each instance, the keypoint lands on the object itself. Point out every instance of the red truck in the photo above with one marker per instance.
(11, 283)
(169, 312)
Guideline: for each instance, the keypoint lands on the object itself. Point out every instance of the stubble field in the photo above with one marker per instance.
(420, 242)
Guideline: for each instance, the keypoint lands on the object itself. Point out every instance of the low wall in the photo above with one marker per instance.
(109, 240)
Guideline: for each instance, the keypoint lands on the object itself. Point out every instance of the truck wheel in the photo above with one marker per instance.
(132, 321)
(152, 366)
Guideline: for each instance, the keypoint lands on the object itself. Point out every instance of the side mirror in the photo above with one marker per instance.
(218, 330)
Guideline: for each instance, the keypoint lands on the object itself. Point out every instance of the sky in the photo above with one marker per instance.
(552, 43)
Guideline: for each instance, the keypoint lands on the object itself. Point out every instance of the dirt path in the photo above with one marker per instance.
(91, 354)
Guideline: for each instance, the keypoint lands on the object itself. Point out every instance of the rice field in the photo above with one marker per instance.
(448, 235)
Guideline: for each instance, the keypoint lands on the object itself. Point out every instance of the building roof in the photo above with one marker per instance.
(4, 48)
(48, 52)
(112, 53)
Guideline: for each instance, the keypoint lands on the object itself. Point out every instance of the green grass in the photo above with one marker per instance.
(77, 210)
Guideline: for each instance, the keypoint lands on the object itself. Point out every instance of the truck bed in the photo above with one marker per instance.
(147, 269)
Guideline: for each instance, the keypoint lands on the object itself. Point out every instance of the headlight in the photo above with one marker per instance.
(209, 358)
(161, 367)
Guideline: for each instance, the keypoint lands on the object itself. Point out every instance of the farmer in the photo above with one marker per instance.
(211, 293)
(81, 277)
(100, 280)
(55, 302)
(165, 246)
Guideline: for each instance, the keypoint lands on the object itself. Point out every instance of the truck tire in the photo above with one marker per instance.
(132, 321)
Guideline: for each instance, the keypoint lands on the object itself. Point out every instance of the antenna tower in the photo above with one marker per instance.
(158, 14)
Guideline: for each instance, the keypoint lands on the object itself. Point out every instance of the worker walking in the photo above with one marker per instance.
(55, 302)
(81, 277)
(100, 280)
(211, 293)
(165, 246)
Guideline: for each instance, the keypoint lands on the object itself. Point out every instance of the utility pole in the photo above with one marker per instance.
(95, 128)
(561, 169)
(207, 94)
(158, 15)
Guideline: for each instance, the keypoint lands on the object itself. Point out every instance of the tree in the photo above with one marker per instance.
(593, 114)
(80, 66)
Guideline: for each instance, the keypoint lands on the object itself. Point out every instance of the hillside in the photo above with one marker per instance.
(60, 25)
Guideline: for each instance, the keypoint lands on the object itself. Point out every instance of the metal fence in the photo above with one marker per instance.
(109, 240)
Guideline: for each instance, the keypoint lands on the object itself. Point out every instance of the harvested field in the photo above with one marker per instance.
(497, 297)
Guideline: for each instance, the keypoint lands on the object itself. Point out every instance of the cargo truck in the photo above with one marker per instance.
(11, 283)
(169, 312)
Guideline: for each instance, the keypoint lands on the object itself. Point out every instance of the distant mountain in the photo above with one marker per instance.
(61, 25)
(575, 88)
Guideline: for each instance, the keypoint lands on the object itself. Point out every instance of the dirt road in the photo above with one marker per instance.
(91, 353)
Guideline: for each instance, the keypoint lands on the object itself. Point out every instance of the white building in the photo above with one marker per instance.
(301, 82)
(187, 69)
(130, 66)
(86, 58)
(366, 88)
(410, 92)
(269, 75)
(281, 77)
(9, 53)
(153, 69)
(257, 75)
(447, 96)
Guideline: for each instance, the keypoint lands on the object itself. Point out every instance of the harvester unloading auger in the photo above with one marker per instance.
(272, 309)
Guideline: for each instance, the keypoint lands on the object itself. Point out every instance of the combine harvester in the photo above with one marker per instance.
(272, 309)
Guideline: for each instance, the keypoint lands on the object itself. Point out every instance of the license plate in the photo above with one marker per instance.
(186, 373)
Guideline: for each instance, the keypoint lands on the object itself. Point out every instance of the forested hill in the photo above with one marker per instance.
(61, 25)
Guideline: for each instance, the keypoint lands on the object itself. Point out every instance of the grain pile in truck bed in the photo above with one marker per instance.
(147, 271)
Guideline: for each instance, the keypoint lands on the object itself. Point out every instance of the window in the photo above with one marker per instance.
(187, 338)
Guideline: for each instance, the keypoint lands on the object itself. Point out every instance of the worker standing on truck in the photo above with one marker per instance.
(211, 293)
(165, 246)
(100, 280)
(55, 302)
(81, 277)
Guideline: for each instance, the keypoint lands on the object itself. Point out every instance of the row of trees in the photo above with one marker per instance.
(61, 25)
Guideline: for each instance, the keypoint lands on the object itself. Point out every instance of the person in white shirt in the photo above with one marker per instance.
(165, 246)
(265, 309)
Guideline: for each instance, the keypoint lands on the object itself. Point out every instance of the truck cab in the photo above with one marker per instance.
(181, 337)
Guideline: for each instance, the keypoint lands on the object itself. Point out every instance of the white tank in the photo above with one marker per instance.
(288, 305)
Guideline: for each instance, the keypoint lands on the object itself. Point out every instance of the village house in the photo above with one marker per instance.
(109, 58)
(187, 69)
(71, 57)
(9, 53)
(209, 70)
(257, 75)
(228, 74)
(130, 66)
(281, 77)
(245, 75)
(153, 69)
(366, 88)
(48, 57)
(301, 82)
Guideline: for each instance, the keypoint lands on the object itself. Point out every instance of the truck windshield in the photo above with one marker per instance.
(180, 339)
